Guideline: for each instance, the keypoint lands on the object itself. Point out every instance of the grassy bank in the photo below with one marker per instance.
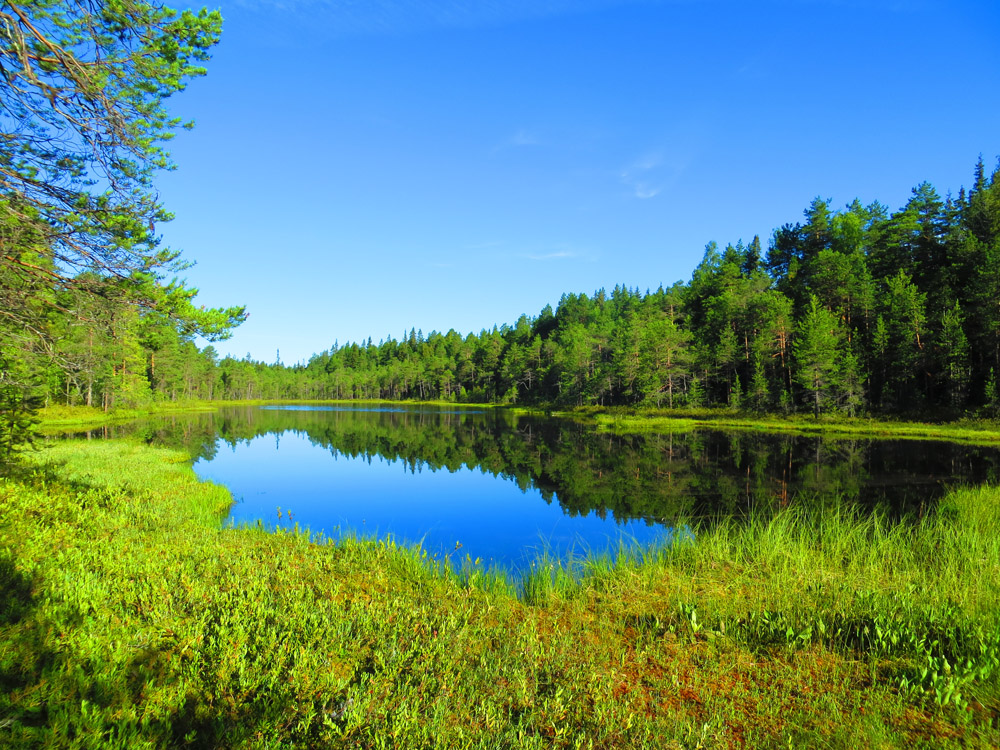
(656, 420)
(619, 419)
(60, 418)
(130, 618)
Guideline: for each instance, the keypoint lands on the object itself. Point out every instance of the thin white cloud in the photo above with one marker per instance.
(523, 138)
(559, 251)
(556, 255)
(637, 175)
(642, 191)
(649, 161)
(658, 170)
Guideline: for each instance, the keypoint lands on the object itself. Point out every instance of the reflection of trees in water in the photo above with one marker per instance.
(653, 477)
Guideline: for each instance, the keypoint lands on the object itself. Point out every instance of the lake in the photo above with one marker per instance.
(505, 488)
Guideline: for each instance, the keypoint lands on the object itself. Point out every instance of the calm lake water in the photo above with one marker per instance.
(504, 488)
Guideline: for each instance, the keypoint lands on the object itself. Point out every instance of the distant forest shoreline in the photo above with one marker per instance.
(851, 311)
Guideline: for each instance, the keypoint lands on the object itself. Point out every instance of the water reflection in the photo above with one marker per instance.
(498, 484)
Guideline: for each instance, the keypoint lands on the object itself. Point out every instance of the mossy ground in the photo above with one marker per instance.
(129, 617)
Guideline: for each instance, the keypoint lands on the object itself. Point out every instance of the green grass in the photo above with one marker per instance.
(61, 418)
(657, 420)
(130, 618)
(56, 419)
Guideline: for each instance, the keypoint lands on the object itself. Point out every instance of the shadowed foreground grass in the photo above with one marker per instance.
(130, 619)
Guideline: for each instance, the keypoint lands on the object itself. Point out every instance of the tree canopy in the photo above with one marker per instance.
(856, 309)
(83, 88)
(83, 128)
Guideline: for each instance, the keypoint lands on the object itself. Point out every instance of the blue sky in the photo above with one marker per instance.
(359, 168)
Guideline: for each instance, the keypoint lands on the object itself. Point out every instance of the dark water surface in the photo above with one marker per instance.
(505, 488)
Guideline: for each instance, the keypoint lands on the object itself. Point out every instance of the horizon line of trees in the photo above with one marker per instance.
(857, 310)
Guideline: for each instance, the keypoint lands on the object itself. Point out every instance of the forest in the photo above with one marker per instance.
(88, 293)
(132, 614)
(852, 311)
(857, 310)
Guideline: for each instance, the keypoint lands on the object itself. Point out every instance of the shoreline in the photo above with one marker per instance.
(614, 419)
(795, 629)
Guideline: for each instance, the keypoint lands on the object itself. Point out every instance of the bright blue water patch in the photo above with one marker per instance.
(466, 511)
(507, 488)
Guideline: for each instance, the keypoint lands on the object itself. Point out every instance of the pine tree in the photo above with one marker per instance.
(736, 394)
(905, 317)
(758, 394)
(953, 354)
(991, 396)
(695, 394)
(817, 337)
(849, 382)
(665, 360)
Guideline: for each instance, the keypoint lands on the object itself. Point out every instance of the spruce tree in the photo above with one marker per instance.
(817, 337)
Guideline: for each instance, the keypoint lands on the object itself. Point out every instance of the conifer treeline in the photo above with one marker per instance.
(853, 310)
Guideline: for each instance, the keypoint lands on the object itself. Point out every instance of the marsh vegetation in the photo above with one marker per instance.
(132, 616)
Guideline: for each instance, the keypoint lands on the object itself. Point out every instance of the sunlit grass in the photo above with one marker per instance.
(656, 420)
(130, 617)
(619, 419)
(60, 418)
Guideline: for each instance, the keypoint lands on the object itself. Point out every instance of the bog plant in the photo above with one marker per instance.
(130, 616)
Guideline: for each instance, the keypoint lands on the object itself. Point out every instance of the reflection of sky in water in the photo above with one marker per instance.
(490, 517)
